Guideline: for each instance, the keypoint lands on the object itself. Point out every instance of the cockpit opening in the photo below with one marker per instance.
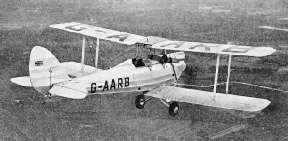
(154, 59)
(138, 62)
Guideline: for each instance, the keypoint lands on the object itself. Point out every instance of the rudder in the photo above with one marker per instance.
(45, 70)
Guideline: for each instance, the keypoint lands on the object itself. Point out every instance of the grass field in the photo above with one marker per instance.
(25, 24)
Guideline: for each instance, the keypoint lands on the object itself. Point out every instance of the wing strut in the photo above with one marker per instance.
(83, 53)
(216, 74)
(229, 71)
(137, 50)
(97, 53)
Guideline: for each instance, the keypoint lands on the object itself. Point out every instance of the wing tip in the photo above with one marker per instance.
(261, 105)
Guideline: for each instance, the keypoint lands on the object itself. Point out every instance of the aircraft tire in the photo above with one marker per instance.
(140, 101)
(173, 109)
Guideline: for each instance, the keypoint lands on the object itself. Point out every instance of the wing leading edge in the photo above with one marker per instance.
(162, 43)
(218, 100)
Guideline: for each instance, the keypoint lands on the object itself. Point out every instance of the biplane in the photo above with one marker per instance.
(155, 76)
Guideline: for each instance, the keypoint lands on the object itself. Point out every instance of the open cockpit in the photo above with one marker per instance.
(156, 59)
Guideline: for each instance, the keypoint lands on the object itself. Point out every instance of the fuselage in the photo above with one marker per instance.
(128, 78)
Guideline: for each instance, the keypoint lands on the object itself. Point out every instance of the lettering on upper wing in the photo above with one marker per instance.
(237, 49)
(98, 30)
(206, 46)
(78, 27)
(111, 85)
(121, 37)
(180, 44)
(175, 44)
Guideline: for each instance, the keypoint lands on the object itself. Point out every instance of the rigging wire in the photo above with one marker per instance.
(104, 54)
(120, 52)
(212, 56)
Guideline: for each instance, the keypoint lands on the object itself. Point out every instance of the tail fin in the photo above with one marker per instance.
(45, 70)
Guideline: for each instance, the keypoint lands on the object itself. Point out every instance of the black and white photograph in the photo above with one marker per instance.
(144, 70)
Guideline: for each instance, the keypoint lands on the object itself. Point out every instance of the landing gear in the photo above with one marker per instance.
(140, 101)
(173, 109)
(173, 106)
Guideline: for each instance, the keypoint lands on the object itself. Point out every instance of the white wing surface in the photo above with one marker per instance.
(101, 33)
(218, 100)
(215, 48)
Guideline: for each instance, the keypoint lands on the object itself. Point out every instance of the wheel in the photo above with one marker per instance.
(173, 109)
(140, 101)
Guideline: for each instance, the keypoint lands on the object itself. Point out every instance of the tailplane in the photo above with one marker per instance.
(45, 70)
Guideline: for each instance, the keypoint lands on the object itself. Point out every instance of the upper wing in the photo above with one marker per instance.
(101, 33)
(162, 43)
(215, 48)
(226, 101)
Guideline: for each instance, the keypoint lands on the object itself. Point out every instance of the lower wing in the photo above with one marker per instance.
(218, 100)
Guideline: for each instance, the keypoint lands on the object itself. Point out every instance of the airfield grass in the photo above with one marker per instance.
(26, 25)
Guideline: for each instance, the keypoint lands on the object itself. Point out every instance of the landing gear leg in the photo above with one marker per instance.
(140, 101)
(173, 109)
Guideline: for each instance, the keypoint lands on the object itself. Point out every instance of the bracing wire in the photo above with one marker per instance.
(207, 59)
(104, 54)
(120, 52)
(116, 56)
